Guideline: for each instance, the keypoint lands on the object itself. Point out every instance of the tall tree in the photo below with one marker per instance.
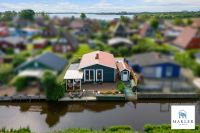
(27, 14)
(154, 23)
(83, 16)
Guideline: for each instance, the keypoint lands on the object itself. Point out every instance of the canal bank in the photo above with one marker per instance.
(120, 97)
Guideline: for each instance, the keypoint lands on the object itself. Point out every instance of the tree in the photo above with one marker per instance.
(178, 22)
(53, 90)
(83, 16)
(124, 19)
(8, 15)
(27, 14)
(5, 73)
(154, 23)
(18, 60)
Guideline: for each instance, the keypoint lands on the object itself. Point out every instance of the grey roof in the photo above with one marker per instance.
(74, 66)
(13, 40)
(48, 59)
(119, 40)
(151, 58)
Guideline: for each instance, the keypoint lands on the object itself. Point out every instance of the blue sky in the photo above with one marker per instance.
(101, 5)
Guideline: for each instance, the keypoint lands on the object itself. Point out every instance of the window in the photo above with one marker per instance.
(169, 71)
(35, 64)
(89, 75)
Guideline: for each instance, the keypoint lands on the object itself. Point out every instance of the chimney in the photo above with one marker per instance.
(97, 56)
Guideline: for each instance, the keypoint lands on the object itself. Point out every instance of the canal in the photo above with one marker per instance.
(44, 116)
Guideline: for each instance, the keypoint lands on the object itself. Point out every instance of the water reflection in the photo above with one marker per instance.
(54, 111)
(48, 116)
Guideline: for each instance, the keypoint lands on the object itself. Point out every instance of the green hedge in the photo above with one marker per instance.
(166, 128)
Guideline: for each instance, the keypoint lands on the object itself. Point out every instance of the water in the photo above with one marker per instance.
(43, 116)
(91, 16)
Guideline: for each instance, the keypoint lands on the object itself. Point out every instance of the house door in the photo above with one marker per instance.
(125, 76)
(99, 75)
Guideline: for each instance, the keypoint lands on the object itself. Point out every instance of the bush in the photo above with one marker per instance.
(53, 90)
(119, 128)
(120, 86)
(18, 60)
(5, 73)
(20, 83)
(166, 128)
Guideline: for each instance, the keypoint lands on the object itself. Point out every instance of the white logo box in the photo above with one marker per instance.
(182, 117)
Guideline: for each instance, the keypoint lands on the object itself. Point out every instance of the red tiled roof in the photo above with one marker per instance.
(184, 39)
(143, 29)
(196, 23)
(98, 57)
(123, 66)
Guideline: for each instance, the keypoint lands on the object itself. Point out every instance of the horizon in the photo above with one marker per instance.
(104, 6)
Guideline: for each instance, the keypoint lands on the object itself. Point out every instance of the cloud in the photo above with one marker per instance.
(105, 6)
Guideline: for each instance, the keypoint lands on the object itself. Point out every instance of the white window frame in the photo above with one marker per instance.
(101, 73)
(88, 80)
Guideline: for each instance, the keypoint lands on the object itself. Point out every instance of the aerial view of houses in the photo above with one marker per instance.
(58, 61)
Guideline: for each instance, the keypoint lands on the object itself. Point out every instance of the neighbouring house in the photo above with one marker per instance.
(16, 43)
(1, 57)
(122, 31)
(119, 41)
(80, 27)
(95, 67)
(35, 67)
(172, 33)
(197, 57)
(124, 69)
(196, 23)
(4, 31)
(30, 32)
(50, 30)
(67, 42)
(146, 31)
(40, 43)
(155, 65)
(188, 39)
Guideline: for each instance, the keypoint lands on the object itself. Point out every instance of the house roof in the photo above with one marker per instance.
(118, 40)
(13, 40)
(98, 57)
(73, 72)
(48, 59)
(185, 37)
(196, 23)
(122, 66)
(77, 24)
(144, 29)
(151, 58)
(40, 41)
(31, 73)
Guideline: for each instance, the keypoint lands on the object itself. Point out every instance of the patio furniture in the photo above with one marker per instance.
(80, 95)
(71, 96)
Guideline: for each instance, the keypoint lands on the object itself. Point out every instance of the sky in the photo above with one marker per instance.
(101, 5)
